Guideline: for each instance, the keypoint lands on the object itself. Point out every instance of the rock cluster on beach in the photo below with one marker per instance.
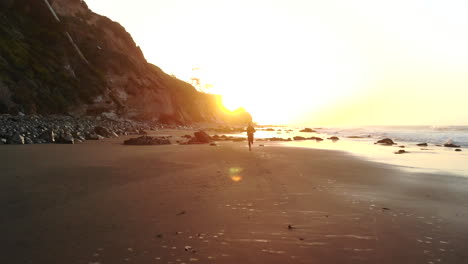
(147, 140)
(36, 129)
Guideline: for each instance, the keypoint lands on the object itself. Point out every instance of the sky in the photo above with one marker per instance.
(324, 63)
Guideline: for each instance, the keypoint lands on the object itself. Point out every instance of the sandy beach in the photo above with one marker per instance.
(104, 202)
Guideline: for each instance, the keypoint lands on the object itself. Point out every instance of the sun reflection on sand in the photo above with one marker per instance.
(234, 174)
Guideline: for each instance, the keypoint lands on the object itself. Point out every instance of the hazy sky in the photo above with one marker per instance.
(313, 62)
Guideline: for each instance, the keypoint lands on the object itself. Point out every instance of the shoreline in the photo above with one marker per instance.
(110, 203)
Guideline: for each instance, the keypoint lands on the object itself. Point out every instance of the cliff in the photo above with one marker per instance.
(57, 56)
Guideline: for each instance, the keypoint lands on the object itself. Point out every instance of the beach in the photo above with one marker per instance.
(105, 202)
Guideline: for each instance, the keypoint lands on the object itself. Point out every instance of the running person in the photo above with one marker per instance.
(250, 135)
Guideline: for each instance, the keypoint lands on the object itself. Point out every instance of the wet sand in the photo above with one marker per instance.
(103, 202)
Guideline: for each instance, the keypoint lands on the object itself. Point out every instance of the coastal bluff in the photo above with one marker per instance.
(59, 57)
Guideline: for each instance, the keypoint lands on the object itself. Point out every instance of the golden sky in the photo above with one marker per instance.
(360, 62)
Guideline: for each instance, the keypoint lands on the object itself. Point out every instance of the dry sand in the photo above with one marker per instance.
(103, 202)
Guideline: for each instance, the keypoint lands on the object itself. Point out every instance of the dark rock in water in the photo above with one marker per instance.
(422, 144)
(147, 140)
(386, 141)
(451, 145)
(202, 137)
(279, 139)
(317, 138)
(102, 131)
(48, 136)
(401, 151)
(269, 129)
(16, 139)
(213, 144)
(355, 137)
(189, 136)
(401, 146)
(299, 138)
(309, 130)
(66, 138)
(261, 145)
(334, 138)
(215, 137)
(458, 149)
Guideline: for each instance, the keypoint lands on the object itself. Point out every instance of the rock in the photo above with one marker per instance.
(102, 131)
(386, 141)
(28, 140)
(65, 138)
(308, 130)
(147, 140)
(189, 136)
(317, 138)
(299, 138)
(422, 144)
(213, 144)
(334, 138)
(16, 139)
(269, 129)
(2, 141)
(202, 137)
(261, 145)
(458, 149)
(48, 136)
(93, 136)
(451, 145)
(279, 139)
(401, 151)
(401, 146)
(142, 132)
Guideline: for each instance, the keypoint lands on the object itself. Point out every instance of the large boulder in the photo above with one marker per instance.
(386, 141)
(202, 137)
(334, 138)
(147, 140)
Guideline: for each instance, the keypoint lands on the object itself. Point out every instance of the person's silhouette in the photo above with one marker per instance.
(250, 135)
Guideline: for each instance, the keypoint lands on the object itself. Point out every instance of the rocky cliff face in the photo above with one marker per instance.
(57, 56)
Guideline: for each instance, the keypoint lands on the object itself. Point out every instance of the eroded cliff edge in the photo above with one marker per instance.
(57, 56)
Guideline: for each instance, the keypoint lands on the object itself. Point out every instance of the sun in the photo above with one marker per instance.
(232, 102)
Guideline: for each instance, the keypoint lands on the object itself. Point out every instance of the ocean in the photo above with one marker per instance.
(359, 141)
